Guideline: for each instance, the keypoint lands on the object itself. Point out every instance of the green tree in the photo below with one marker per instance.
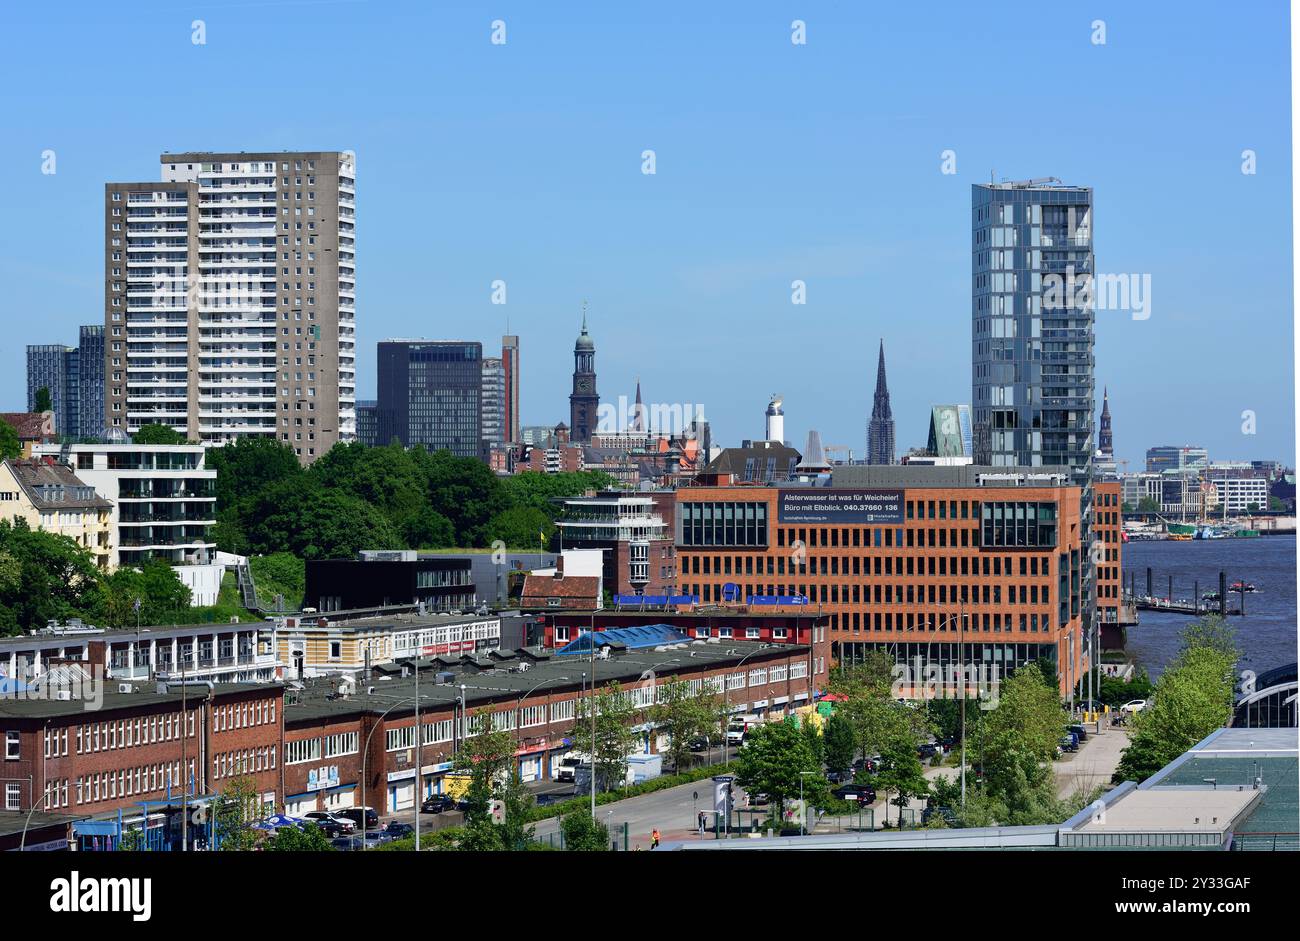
(43, 401)
(1192, 698)
(43, 577)
(614, 737)
(1148, 505)
(387, 478)
(681, 715)
(521, 527)
(775, 758)
(157, 434)
(154, 583)
(581, 833)
(10, 447)
(236, 810)
(308, 839)
(545, 491)
(302, 517)
(841, 745)
(464, 490)
(902, 774)
(489, 757)
(249, 465)
(1021, 733)
(429, 529)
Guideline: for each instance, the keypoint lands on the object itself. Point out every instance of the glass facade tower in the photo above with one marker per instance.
(1032, 317)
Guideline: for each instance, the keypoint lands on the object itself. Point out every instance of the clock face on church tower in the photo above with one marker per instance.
(583, 384)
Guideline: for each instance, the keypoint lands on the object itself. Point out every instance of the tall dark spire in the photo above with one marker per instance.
(1104, 444)
(638, 411)
(880, 432)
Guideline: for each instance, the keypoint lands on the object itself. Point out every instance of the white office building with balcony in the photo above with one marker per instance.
(164, 505)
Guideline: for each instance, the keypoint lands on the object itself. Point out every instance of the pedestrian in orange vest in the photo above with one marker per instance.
(654, 839)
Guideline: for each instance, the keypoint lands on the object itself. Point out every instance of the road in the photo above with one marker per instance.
(673, 810)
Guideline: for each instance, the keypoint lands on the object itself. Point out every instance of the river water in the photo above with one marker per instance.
(1266, 635)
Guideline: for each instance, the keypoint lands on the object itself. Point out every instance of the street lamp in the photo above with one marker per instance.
(726, 702)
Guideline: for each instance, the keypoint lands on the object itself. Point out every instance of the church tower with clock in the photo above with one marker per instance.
(583, 401)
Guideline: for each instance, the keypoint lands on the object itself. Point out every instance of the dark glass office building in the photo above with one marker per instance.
(431, 394)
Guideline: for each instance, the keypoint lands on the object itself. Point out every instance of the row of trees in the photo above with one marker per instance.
(44, 577)
(356, 497)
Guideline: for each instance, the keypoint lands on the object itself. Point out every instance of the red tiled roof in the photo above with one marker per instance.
(572, 586)
(31, 426)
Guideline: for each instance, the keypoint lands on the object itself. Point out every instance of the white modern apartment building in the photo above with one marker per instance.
(230, 305)
(164, 505)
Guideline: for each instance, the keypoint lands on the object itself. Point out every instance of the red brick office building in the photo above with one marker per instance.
(953, 565)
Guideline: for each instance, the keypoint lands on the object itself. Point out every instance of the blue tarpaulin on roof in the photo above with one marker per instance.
(632, 638)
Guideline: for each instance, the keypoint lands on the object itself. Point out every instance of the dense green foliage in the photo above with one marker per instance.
(10, 447)
(157, 434)
(43, 577)
(43, 401)
(309, 839)
(488, 756)
(681, 715)
(1192, 698)
(387, 497)
(776, 757)
(582, 834)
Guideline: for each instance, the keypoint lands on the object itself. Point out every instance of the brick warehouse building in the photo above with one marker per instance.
(1108, 532)
(66, 757)
(533, 693)
(916, 560)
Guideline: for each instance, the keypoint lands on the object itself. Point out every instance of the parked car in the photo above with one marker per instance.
(323, 817)
(926, 750)
(700, 743)
(378, 838)
(398, 831)
(1069, 743)
(947, 813)
(1079, 731)
(862, 793)
(366, 817)
(840, 777)
(948, 743)
(463, 804)
(438, 803)
(347, 843)
(330, 828)
(1133, 705)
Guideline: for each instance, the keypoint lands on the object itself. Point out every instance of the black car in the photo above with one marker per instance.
(947, 813)
(331, 828)
(700, 743)
(438, 803)
(1078, 730)
(927, 750)
(347, 843)
(948, 743)
(398, 831)
(862, 793)
(366, 818)
(463, 804)
(839, 777)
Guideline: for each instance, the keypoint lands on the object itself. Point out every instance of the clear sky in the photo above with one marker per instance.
(774, 162)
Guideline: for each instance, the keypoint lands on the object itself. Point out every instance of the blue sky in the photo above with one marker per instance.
(775, 162)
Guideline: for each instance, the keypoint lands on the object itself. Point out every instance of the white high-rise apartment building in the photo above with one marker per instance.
(230, 304)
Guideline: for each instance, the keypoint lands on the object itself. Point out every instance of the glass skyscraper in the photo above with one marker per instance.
(74, 376)
(1032, 325)
(1032, 316)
